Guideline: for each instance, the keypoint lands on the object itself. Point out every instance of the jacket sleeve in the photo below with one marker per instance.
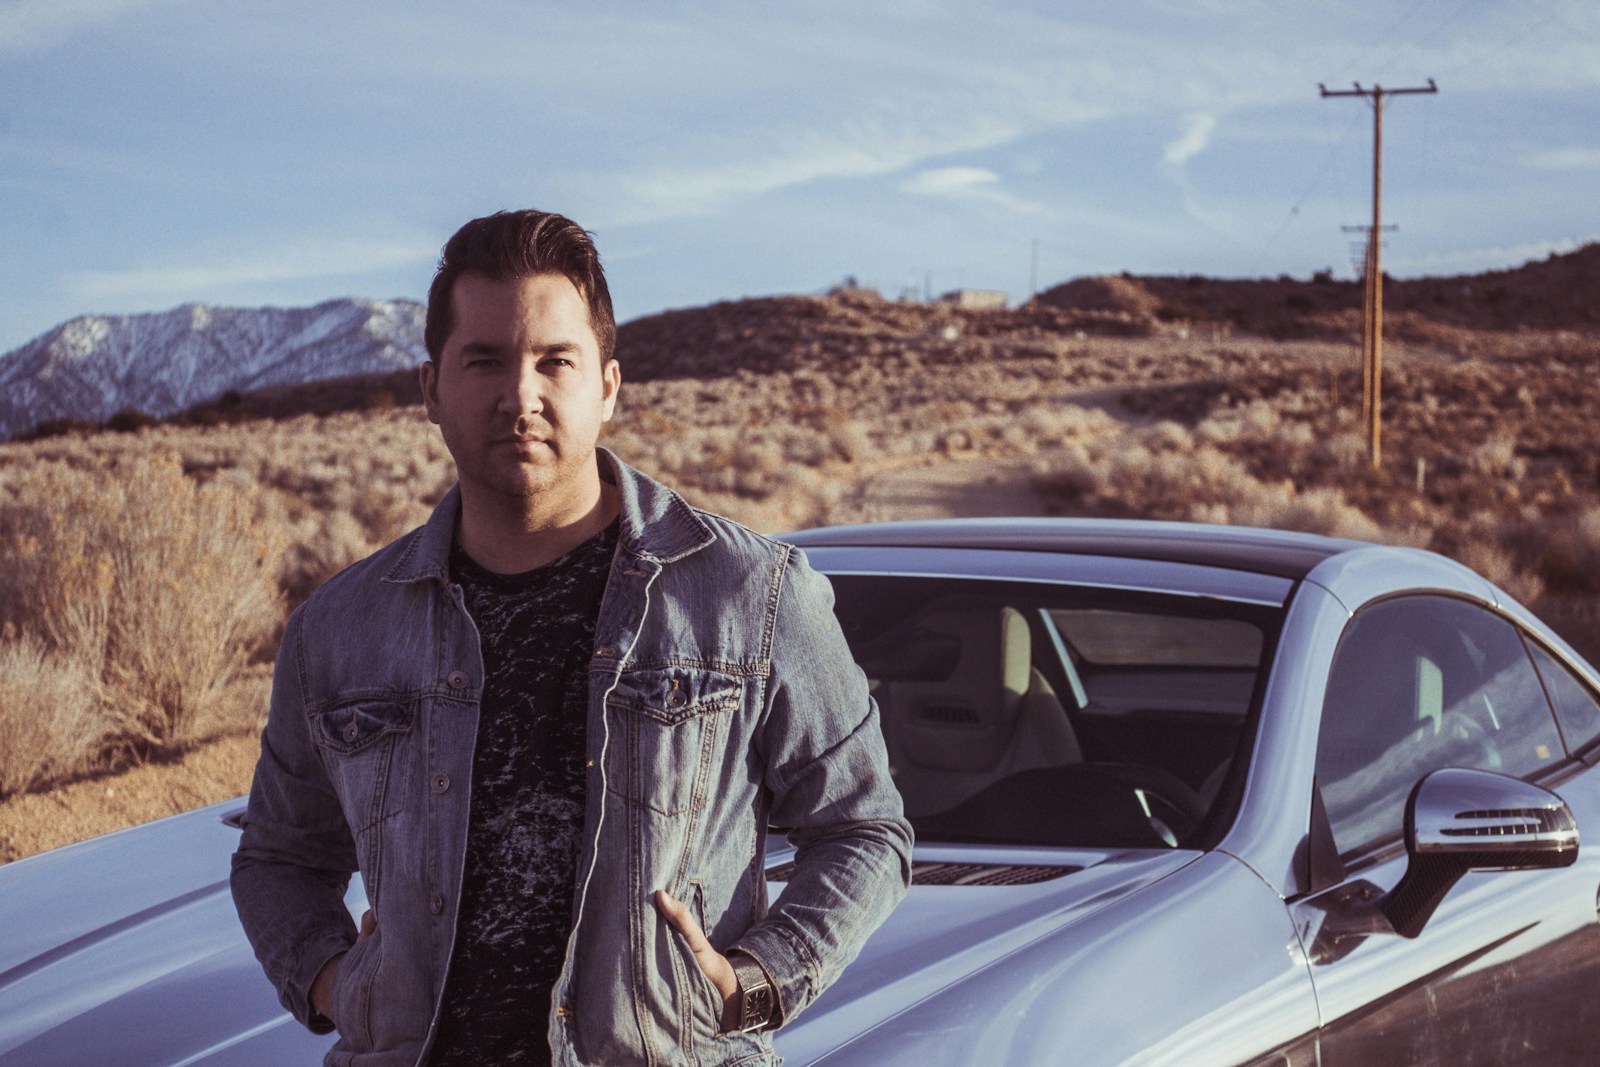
(296, 854)
(828, 774)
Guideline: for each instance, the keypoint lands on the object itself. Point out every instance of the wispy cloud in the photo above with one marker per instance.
(1194, 139)
(1575, 157)
(286, 263)
(36, 23)
(968, 183)
(854, 148)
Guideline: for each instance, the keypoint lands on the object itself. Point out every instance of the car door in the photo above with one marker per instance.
(1507, 970)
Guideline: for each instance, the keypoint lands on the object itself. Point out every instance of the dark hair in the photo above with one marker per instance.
(509, 245)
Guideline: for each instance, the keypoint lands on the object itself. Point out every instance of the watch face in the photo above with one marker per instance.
(757, 1006)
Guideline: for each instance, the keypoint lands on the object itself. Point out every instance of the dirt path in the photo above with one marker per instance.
(973, 486)
(953, 488)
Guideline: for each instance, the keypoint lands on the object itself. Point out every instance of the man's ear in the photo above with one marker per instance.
(428, 374)
(611, 381)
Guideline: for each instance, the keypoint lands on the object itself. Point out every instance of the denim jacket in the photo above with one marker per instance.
(722, 699)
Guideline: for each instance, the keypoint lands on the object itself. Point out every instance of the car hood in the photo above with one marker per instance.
(942, 935)
(126, 949)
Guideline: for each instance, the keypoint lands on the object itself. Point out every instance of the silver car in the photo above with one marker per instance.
(1183, 795)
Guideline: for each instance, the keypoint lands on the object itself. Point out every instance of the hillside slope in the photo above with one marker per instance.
(1561, 292)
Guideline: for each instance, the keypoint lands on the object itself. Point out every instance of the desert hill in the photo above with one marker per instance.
(1561, 292)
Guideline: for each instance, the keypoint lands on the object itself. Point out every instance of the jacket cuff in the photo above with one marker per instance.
(794, 973)
(314, 955)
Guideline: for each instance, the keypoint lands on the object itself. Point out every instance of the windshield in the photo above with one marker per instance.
(1028, 714)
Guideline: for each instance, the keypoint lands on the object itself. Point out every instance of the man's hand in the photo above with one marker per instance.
(322, 985)
(713, 963)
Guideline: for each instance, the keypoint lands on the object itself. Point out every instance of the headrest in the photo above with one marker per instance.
(966, 721)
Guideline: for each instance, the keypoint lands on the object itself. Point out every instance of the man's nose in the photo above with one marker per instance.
(525, 390)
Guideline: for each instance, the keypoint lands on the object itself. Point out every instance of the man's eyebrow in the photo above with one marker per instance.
(552, 348)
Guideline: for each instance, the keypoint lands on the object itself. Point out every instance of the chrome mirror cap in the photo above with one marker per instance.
(1489, 821)
(1462, 820)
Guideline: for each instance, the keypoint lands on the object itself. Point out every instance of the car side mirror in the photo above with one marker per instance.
(1460, 820)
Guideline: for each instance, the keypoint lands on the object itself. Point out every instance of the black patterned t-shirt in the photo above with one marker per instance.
(537, 634)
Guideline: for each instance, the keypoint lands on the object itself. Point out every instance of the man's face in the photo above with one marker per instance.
(519, 391)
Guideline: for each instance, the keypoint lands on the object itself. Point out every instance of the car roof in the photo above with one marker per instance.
(1280, 553)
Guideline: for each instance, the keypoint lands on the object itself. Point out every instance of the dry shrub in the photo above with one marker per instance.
(1500, 566)
(1346, 450)
(1562, 553)
(52, 720)
(1154, 475)
(167, 585)
(1497, 457)
(320, 545)
(850, 442)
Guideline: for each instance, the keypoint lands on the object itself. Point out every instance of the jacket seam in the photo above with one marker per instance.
(774, 594)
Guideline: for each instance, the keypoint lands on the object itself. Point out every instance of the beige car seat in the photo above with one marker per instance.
(993, 716)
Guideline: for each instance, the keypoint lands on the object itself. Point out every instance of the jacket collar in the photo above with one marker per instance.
(657, 524)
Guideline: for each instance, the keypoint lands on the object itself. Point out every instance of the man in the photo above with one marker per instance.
(550, 728)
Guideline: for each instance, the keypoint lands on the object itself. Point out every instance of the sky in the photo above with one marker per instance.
(250, 153)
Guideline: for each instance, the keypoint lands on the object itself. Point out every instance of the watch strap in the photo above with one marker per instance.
(757, 999)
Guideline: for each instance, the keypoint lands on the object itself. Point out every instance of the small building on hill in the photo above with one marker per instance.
(975, 299)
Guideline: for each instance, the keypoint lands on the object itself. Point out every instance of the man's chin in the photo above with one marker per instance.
(538, 475)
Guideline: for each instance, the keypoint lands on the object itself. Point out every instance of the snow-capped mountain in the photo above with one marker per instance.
(94, 365)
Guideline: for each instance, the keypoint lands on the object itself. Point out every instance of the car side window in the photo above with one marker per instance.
(1419, 683)
(1575, 703)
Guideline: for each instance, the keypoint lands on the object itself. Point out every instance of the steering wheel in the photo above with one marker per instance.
(1171, 803)
(1462, 727)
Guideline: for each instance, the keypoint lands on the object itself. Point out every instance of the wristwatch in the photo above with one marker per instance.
(757, 1000)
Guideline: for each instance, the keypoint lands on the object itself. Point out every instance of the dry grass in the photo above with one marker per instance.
(142, 592)
(51, 715)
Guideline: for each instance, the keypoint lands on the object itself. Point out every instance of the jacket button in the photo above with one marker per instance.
(351, 731)
(605, 650)
(457, 679)
(436, 904)
(441, 782)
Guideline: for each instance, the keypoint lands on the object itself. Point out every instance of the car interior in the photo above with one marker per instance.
(1028, 714)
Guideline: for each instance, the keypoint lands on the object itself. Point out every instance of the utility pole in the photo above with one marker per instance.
(1372, 319)
(1366, 320)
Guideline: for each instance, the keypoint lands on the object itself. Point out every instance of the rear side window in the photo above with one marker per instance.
(1419, 683)
(1575, 704)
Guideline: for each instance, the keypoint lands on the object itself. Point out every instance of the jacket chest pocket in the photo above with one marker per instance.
(665, 726)
(358, 739)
